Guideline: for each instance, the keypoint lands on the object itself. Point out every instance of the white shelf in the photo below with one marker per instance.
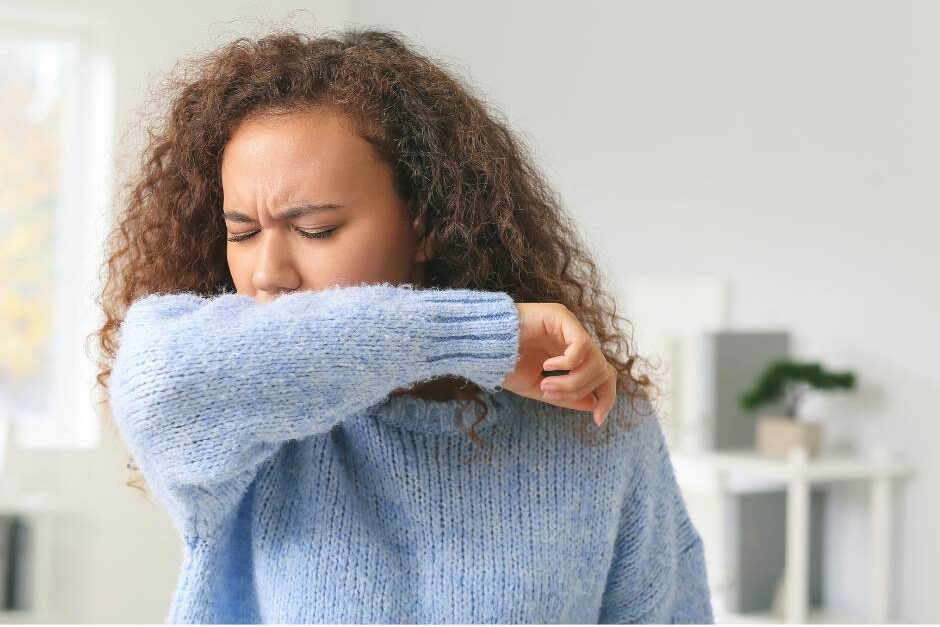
(816, 616)
(19, 617)
(26, 504)
(743, 471)
(827, 467)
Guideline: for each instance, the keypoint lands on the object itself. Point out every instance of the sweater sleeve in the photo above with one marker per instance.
(658, 569)
(204, 390)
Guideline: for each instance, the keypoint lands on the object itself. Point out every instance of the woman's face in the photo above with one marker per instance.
(287, 180)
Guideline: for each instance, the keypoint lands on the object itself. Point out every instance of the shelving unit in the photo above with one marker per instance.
(729, 470)
(36, 510)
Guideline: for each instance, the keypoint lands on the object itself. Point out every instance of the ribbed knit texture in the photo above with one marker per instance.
(304, 493)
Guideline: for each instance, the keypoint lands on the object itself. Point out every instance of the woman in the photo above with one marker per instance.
(330, 250)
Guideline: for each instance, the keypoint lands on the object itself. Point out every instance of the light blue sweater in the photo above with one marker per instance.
(304, 493)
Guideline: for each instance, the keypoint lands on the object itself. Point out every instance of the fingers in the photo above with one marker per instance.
(574, 356)
(584, 362)
(590, 382)
(606, 397)
(568, 392)
(577, 383)
(585, 403)
(579, 387)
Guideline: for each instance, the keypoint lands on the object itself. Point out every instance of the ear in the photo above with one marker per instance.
(424, 251)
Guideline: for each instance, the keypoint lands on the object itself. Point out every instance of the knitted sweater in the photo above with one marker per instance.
(304, 492)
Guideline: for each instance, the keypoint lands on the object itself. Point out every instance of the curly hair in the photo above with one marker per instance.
(492, 220)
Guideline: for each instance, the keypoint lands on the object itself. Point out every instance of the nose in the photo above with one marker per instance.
(275, 272)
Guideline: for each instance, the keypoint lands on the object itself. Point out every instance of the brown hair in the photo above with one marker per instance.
(493, 221)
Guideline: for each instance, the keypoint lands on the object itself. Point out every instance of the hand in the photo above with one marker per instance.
(552, 339)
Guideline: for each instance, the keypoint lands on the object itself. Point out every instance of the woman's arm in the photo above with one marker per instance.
(658, 570)
(205, 389)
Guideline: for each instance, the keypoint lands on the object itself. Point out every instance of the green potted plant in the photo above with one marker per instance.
(789, 380)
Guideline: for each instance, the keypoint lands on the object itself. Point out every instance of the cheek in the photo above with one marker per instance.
(370, 252)
(240, 267)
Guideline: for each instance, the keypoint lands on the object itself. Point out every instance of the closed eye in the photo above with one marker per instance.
(321, 234)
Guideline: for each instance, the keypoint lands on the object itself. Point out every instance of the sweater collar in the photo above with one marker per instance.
(440, 417)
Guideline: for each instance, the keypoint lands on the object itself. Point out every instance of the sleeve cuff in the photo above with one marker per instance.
(473, 334)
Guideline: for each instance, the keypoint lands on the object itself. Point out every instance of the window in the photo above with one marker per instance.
(56, 112)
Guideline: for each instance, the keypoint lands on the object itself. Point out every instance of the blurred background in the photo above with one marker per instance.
(758, 179)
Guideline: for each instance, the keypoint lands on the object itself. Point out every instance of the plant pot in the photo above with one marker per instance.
(776, 435)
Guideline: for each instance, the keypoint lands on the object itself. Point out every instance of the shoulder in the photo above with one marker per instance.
(637, 427)
(631, 438)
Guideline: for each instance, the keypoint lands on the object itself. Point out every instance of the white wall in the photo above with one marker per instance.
(788, 147)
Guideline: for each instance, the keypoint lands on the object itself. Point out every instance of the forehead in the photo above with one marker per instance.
(309, 149)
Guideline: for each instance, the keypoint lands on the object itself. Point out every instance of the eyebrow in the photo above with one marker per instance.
(288, 214)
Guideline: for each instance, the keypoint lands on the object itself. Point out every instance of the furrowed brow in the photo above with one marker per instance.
(288, 214)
